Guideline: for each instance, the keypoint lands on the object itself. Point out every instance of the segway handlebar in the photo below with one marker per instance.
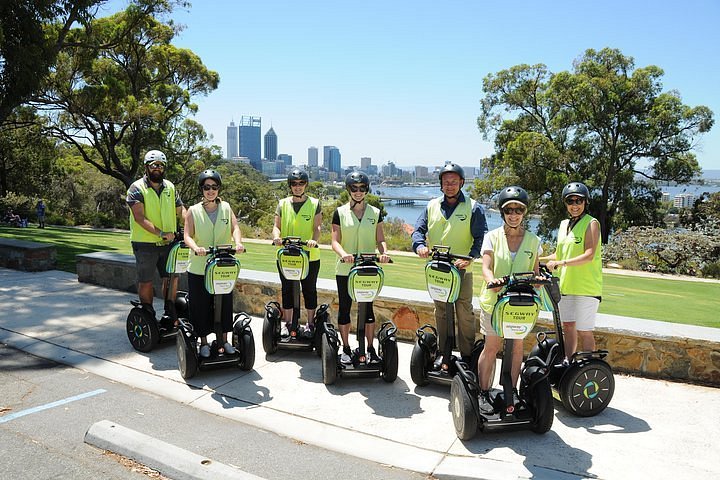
(222, 249)
(290, 241)
(367, 257)
(528, 278)
(442, 253)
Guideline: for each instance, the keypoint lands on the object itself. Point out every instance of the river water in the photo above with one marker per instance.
(409, 213)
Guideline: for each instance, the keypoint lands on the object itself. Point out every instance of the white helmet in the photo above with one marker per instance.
(155, 156)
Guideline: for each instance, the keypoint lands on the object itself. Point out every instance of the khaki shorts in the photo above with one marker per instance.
(579, 309)
(486, 327)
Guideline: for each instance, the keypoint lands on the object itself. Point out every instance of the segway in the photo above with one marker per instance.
(513, 318)
(221, 272)
(294, 263)
(442, 280)
(143, 330)
(585, 383)
(364, 284)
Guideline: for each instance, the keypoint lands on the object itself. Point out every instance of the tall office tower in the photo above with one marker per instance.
(250, 140)
(365, 163)
(334, 161)
(331, 159)
(232, 141)
(312, 157)
(270, 145)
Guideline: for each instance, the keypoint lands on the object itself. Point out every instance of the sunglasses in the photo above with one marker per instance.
(358, 188)
(298, 184)
(574, 201)
(515, 210)
(207, 187)
(157, 166)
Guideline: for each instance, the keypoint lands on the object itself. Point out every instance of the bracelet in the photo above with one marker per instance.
(564, 263)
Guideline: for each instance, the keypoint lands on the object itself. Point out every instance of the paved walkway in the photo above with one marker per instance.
(652, 429)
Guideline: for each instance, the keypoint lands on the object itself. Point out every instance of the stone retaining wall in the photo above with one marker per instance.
(27, 256)
(643, 348)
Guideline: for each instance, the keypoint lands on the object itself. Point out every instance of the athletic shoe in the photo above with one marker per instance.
(229, 349)
(346, 358)
(205, 350)
(437, 365)
(484, 403)
(372, 356)
(284, 332)
(309, 331)
(516, 397)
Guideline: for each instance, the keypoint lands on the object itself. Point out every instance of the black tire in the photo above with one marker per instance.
(329, 361)
(419, 364)
(187, 356)
(247, 350)
(463, 409)
(587, 388)
(142, 330)
(542, 406)
(390, 361)
(269, 339)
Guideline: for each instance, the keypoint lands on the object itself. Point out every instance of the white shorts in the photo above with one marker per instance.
(486, 324)
(579, 309)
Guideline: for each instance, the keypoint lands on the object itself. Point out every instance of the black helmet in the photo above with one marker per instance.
(209, 173)
(297, 174)
(452, 168)
(513, 194)
(357, 177)
(576, 188)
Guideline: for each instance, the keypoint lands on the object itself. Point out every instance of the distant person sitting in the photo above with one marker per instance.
(12, 219)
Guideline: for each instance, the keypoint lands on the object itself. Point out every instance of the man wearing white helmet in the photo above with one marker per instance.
(155, 207)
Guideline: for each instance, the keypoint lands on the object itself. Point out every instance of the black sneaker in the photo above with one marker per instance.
(437, 365)
(484, 403)
(516, 398)
(372, 356)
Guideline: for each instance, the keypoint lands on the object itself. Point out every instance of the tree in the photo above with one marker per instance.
(123, 88)
(32, 33)
(597, 124)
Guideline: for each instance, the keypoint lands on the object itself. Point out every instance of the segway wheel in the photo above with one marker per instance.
(142, 330)
(419, 362)
(390, 361)
(247, 350)
(463, 410)
(269, 339)
(187, 356)
(587, 388)
(542, 406)
(329, 361)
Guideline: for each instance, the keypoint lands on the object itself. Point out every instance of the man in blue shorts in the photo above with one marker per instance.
(155, 207)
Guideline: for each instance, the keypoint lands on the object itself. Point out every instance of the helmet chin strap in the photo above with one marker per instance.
(298, 196)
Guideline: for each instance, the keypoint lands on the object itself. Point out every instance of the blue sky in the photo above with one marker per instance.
(401, 80)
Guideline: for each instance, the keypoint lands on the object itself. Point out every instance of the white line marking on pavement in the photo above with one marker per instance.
(40, 408)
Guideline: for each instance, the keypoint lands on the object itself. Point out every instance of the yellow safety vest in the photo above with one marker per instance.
(160, 210)
(358, 236)
(299, 224)
(585, 279)
(453, 232)
(208, 234)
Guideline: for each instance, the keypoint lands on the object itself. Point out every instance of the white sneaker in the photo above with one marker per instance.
(205, 350)
(284, 332)
(229, 349)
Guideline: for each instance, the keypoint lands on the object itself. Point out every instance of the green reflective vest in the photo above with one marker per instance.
(504, 264)
(585, 279)
(160, 210)
(299, 224)
(209, 234)
(453, 232)
(358, 236)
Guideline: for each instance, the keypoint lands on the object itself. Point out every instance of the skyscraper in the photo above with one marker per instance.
(312, 157)
(331, 159)
(232, 141)
(365, 163)
(250, 140)
(271, 145)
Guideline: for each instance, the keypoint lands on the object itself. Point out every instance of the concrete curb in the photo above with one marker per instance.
(169, 460)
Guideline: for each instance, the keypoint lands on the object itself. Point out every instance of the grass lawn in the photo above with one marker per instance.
(661, 299)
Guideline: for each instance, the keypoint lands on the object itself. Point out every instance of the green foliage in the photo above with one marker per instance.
(664, 251)
(592, 124)
(124, 88)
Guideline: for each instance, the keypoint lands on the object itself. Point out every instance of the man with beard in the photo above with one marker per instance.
(155, 207)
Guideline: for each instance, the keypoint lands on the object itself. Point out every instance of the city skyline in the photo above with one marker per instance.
(402, 81)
